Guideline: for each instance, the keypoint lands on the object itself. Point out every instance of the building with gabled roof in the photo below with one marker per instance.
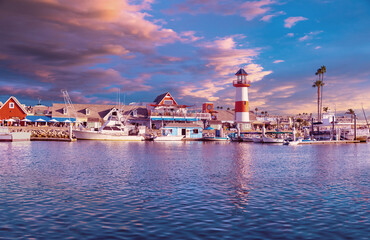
(94, 115)
(12, 109)
(165, 109)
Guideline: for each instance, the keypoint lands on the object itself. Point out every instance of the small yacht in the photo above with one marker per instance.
(112, 130)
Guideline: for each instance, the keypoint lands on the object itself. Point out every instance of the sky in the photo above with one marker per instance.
(191, 48)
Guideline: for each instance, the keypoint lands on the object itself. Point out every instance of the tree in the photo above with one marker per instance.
(262, 112)
(325, 109)
(228, 108)
(318, 84)
(218, 107)
(352, 112)
(265, 113)
(256, 109)
(322, 70)
(221, 107)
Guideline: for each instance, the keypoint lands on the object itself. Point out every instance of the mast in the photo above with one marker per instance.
(365, 115)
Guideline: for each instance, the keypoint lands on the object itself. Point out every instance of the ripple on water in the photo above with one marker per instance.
(185, 190)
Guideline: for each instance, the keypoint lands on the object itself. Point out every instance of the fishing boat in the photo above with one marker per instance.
(112, 130)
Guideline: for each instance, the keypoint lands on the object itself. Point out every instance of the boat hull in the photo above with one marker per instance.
(94, 135)
(168, 138)
(272, 140)
(215, 139)
(257, 140)
(15, 137)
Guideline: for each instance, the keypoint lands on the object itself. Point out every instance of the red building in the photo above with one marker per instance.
(12, 109)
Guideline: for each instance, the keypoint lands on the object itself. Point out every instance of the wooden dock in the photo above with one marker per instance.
(330, 142)
(53, 139)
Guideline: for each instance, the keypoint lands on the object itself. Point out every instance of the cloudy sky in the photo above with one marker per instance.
(191, 48)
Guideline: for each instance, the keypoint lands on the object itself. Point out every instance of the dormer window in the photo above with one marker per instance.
(65, 111)
(87, 111)
(134, 113)
(11, 105)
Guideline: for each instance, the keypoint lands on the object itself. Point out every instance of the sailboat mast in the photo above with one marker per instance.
(365, 116)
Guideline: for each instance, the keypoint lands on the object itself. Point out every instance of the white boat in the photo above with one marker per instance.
(168, 138)
(112, 130)
(266, 139)
(292, 143)
(7, 136)
(216, 139)
(257, 139)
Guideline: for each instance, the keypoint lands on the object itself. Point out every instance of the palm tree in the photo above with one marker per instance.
(322, 70)
(256, 109)
(325, 109)
(352, 112)
(318, 84)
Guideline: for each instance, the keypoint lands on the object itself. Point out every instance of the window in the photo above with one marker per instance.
(11, 105)
(167, 102)
(195, 131)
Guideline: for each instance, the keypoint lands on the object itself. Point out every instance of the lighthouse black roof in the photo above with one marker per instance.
(241, 72)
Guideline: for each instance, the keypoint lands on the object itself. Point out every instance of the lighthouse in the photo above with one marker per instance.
(241, 100)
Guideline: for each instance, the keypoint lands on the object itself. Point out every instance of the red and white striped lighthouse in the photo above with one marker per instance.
(241, 99)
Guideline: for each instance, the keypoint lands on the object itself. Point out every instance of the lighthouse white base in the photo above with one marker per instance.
(245, 126)
(241, 117)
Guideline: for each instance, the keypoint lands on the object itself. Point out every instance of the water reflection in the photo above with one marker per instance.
(183, 189)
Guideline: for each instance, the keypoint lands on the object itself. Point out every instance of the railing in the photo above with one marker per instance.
(200, 116)
(241, 81)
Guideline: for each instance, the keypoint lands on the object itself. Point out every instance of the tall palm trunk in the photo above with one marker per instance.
(322, 89)
(318, 104)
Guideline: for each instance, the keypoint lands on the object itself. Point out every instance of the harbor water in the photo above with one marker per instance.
(183, 190)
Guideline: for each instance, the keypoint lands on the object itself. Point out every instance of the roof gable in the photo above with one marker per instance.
(159, 100)
(14, 99)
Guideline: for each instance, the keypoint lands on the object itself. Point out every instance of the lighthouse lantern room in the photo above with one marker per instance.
(241, 100)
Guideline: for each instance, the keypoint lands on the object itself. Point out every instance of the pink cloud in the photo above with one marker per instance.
(291, 21)
(223, 59)
(267, 18)
(248, 9)
(59, 44)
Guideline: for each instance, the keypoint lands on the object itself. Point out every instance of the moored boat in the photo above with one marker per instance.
(112, 130)
(7, 136)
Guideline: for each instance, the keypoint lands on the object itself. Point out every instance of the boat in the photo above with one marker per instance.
(168, 138)
(7, 136)
(292, 143)
(112, 130)
(266, 139)
(216, 138)
(257, 139)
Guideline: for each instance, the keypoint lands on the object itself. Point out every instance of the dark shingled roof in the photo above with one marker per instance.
(159, 98)
(241, 72)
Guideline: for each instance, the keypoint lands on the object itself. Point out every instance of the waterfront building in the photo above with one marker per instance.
(12, 109)
(94, 115)
(188, 130)
(165, 109)
(241, 85)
